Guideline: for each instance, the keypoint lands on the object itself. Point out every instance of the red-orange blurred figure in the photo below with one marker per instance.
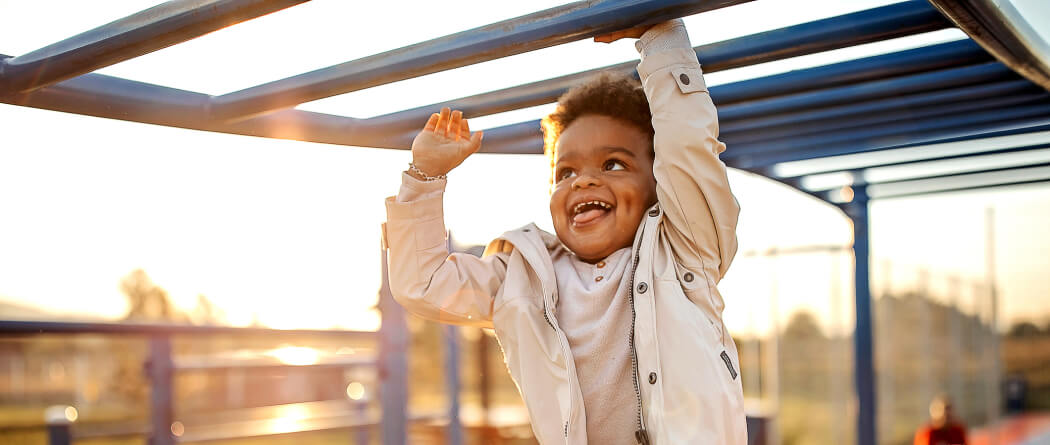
(943, 429)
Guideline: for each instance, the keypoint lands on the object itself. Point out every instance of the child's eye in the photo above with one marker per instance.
(565, 173)
(614, 165)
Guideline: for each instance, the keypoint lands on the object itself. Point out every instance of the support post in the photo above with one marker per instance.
(484, 387)
(454, 435)
(393, 364)
(863, 351)
(160, 369)
(59, 425)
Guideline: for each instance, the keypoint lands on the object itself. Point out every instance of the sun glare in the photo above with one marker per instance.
(295, 355)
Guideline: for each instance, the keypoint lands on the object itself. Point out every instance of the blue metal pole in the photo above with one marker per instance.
(911, 156)
(860, 122)
(956, 178)
(393, 365)
(111, 97)
(765, 154)
(901, 63)
(555, 26)
(160, 369)
(59, 427)
(525, 137)
(1018, 174)
(115, 98)
(892, 104)
(886, 22)
(864, 356)
(872, 90)
(140, 33)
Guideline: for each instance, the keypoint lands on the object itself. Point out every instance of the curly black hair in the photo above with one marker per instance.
(608, 93)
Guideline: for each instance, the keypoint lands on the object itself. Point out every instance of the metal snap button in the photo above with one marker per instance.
(600, 264)
(652, 378)
(596, 279)
(654, 212)
(688, 277)
(684, 79)
(642, 287)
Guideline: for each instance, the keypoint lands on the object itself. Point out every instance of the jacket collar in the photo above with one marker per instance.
(536, 246)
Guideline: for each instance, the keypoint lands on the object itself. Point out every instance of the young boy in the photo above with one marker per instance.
(612, 330)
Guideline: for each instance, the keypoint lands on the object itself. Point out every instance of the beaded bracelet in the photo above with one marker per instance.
(426, 177)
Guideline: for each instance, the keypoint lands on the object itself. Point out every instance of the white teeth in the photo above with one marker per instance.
(597, 203)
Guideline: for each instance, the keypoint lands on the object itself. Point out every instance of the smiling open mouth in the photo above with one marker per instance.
(587, 212)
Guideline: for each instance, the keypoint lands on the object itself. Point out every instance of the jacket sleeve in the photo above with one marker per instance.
(700, 212)
(425, 279)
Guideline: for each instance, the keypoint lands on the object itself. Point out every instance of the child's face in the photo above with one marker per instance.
(603, 183)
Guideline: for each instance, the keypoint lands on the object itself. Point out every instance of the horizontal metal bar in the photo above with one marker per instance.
(941, 97)
(962, 174)
(115, 98)
(206, 365)
(886, 22)
(21, 327)
(806, 145)
(962, 156)
(1004, 32)
(563, 24)
(526, 137)
(866, 178)
(862, 121)
(880, 89)
(1026, 175)
(141, 33)
(908, 153)
(883, 137)
(884, 66)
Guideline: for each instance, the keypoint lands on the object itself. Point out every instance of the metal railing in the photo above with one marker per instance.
(390, 366)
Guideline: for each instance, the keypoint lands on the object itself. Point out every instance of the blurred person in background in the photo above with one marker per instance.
(943, 428)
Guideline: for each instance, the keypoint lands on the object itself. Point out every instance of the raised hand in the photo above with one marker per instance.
(444, 143)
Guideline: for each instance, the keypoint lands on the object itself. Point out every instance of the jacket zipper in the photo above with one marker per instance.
(640, 435)
(568, 354)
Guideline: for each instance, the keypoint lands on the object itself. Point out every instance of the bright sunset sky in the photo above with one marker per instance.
(288, 232)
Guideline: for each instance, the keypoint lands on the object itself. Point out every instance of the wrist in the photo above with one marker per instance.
(663, 37)
(416, 172)
(414, 175)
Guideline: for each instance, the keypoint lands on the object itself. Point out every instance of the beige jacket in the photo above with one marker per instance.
(686, 363)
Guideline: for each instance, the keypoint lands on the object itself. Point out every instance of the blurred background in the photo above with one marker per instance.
(271, 248)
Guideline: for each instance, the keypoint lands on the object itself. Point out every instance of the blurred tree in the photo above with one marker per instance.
(1024, 329)
(146, 300)
(206, 312)
(803, 326)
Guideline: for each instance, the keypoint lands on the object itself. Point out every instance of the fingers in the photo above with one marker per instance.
(432, 122)
(475, 141)
(464, 130)
(442, 123)
(450, 124)
(635, 32)
(607, 38)
(455, 121)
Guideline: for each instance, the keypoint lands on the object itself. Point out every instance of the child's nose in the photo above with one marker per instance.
(585, 180)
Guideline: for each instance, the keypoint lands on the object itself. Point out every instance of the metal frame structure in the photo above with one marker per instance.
(902, 104)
